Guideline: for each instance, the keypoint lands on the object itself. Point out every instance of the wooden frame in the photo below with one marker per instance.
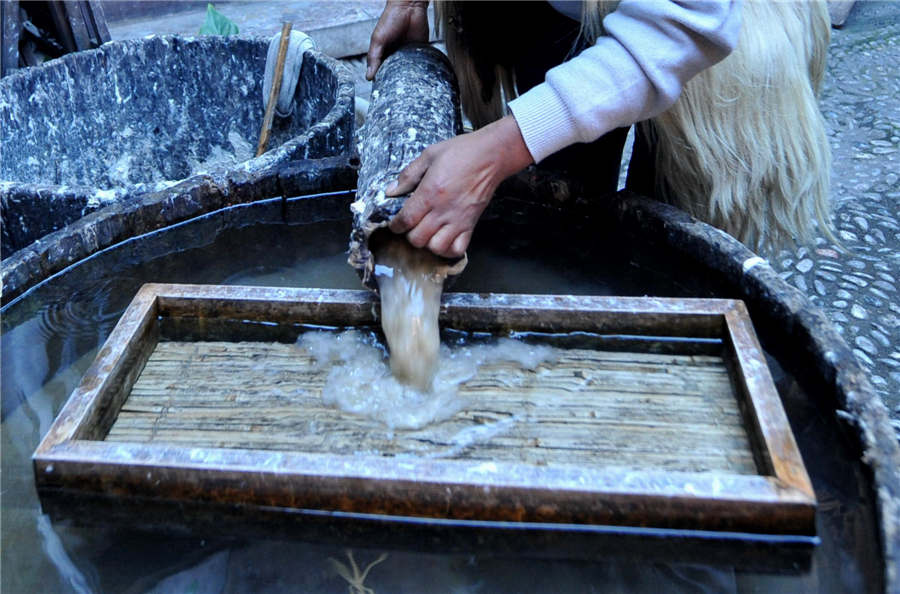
(73, 457)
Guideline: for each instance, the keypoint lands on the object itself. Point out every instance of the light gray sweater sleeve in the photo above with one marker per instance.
(634, 72)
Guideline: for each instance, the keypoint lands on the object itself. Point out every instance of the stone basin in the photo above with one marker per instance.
(150, 116)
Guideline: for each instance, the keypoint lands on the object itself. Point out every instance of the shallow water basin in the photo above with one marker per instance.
(630, 411)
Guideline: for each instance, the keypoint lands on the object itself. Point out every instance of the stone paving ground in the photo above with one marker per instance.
(858, 289)
(856, 286)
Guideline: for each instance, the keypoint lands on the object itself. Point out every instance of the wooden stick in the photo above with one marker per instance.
(276, 89)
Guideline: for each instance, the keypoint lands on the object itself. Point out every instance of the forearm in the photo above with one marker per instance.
(634, 72)
(505, 143)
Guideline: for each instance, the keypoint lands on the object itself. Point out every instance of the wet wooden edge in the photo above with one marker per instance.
(428, 487)
(767, 419)
(552, 313)
(106, 380)
(442, 488)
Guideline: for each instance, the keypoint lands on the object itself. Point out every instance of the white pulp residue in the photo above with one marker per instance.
(360, 381)
(132, 168)
(478, 434)
(103, 196)
(241, 150)
(120, 170)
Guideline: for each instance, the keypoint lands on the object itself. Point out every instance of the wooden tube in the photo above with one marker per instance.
(415, 103)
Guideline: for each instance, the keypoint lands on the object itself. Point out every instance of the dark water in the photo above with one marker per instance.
(50, 336)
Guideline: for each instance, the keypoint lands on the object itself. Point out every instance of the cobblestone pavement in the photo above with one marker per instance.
(858, 289)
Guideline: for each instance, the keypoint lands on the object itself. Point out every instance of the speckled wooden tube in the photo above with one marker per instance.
(415, 103)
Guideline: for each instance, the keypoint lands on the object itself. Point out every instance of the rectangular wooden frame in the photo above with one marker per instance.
(73, 457)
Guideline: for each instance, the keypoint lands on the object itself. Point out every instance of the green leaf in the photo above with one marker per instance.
(217, 23)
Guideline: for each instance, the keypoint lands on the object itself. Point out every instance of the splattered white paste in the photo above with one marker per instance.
(360, 381)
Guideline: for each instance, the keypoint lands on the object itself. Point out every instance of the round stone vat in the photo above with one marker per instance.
(147, 116)
(526, 242)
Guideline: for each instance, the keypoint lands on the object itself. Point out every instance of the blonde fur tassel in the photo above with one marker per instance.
(744, 148)
(476, 110)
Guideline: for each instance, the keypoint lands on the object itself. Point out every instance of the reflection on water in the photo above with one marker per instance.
(51, 336)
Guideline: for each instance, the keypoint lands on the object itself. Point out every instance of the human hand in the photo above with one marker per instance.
(452, 183)
(402, 21)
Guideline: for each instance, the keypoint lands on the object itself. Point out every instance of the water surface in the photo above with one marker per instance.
(51, 335)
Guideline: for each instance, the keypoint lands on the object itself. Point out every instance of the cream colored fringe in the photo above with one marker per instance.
(744, 148)
(470, 86)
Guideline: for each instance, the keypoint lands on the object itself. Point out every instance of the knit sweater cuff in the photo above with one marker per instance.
(544, 121)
